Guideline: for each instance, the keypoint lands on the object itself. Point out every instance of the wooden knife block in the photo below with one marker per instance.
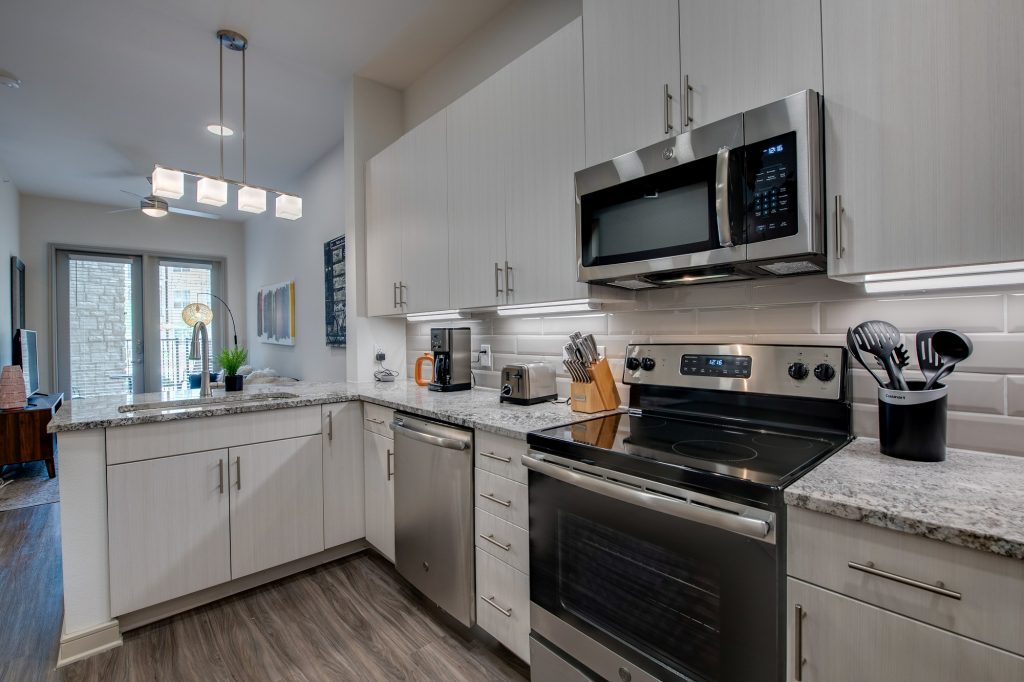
(599, 395)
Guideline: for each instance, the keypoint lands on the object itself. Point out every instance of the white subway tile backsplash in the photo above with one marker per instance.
(801, 339)
(653, 322)
(1015, 313)
(698, 296)
(615, 346)
(804, 290)
(516, 325)
(500, 343)
(966, 313)
(585, 324)
(1015, 396)
(725, 321)
(995, 354)
(541, 345)
(982, 393)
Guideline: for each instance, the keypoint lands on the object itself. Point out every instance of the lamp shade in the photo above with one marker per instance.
(197, 312)
(212, 192)
(288, 207)
(154, 207)
(252, 199)
(168, 183)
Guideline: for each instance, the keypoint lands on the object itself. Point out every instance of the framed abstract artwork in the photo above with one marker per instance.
(275, 313)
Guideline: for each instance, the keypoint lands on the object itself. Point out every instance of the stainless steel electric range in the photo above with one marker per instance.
(657, 536)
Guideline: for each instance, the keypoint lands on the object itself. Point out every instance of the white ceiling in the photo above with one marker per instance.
(111, 87)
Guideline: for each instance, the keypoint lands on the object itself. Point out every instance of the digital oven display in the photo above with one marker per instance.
(731, 366)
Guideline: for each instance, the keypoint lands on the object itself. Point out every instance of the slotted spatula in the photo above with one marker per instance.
(938, 353)
(851, 344)
(880, 339)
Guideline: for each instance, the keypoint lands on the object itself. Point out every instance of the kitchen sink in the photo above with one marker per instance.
(202, 402)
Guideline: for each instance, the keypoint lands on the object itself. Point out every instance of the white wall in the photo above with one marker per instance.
(279, 250)
(509, 34)
(9, 246)
(46, 221)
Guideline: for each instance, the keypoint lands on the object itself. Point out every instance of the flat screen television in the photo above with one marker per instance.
(26, 356)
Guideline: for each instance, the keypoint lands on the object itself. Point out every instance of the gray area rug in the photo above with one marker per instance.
(26, 485)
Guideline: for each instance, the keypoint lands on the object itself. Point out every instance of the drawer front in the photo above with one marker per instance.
(502, 497)
(501, 455)
(503, 540)
(503, 603)
(845, 640)
(376, 419)
(160, 439)
(991, 588)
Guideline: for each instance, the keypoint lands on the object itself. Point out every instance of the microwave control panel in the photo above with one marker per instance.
(770, 175)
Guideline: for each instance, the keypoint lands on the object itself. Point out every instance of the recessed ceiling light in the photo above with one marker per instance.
(217, 129)
(9, 79)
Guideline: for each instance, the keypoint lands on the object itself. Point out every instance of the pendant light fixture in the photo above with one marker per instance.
(213, 190)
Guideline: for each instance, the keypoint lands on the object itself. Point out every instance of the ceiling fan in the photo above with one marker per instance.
(157, 207)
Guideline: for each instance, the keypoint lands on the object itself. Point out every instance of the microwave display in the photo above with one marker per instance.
(771, 188)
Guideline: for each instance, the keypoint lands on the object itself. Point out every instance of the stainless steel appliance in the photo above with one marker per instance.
(434, 512)
(738, 198)
(657, 537)
(527, 383)
(451, 348)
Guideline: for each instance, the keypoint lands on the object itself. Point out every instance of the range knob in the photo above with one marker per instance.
(632, 364)
(647, 364)
(798, 371)
(825, 372)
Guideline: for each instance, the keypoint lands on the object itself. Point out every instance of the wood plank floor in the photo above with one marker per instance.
(353, 619)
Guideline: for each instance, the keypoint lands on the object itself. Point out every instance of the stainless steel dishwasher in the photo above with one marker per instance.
(434, 512)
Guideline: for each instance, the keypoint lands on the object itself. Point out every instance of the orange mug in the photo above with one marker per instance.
(425, 358)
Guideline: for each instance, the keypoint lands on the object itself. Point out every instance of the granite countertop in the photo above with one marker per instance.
(972, 499)
(478, 408)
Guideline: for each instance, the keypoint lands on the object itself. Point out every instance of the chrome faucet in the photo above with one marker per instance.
(200, 350)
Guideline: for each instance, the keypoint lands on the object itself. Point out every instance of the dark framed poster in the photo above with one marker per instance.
(334, 291)
(17, 294)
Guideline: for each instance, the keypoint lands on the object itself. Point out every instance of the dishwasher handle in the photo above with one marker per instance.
(440, 441)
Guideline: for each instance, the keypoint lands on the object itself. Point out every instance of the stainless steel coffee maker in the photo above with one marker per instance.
(452, 358)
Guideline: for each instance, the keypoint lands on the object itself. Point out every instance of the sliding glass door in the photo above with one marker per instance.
(181, 283)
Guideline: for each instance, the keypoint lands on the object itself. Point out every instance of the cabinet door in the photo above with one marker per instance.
(380, 493)
(424, 222)
(477, 168)
(343, 473)
(168, 528)
(631, 54)
(546, 149)
(740, 54)
(277, 504)
(924, 132)
(844, 640)
(383, 232)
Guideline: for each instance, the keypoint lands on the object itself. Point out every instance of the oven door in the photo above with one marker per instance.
(676, 205)
(664, 584)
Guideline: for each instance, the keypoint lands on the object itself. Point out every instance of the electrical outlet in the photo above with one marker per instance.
(485, 356)
(601, 351)
(378, 353)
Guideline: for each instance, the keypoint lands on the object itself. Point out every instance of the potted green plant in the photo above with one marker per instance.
(230, 359)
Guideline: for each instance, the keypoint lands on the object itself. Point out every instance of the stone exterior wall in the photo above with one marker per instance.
(100, 327)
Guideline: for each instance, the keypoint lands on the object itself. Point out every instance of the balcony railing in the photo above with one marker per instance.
(174, 370)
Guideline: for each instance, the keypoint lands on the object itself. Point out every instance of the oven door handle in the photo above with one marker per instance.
(755, 528)
(722, 197)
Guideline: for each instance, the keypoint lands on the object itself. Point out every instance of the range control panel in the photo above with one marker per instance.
(798, 371)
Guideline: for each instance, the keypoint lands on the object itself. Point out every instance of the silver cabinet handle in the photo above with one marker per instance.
(498, 291)
(374, 421)
(490, 600)
(490, 539)
(391, 458)
(394, 293)
(508, 280)
(220, 474)
(840, 249)
(491, 455)
(668, 111)
(798, 642)
(938, 588)
(330, 425)
(687, 89)
(722, 197)
(401, 294)
(238, 474)
(498, 500)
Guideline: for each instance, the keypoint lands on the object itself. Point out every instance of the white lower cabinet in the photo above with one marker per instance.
(844, 640)
(342, 437)
(379, 486)
(168, 528)
(503, 603)
(277, 504)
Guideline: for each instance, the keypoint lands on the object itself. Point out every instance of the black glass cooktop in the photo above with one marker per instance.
(668, 448)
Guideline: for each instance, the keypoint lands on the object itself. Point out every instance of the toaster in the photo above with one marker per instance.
(526, 383)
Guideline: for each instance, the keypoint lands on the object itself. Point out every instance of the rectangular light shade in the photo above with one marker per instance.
(167, 183)
(436, 316)
(252, 200)
(212, 192)
(578, 305)
(288, 207)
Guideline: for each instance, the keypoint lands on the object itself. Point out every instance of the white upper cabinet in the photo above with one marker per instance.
(383, 232)
(546, 148)
(924, 132)
(738, 54)
(477, 142)
(631, 57)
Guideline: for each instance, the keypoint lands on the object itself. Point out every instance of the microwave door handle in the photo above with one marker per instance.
(722, 198)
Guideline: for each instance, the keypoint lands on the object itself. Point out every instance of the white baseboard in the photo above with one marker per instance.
(78, 645)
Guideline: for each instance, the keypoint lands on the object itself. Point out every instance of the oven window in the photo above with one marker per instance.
(642, 594)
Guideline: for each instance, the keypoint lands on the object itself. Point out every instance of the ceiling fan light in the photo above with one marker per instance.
(288, 207)
(212, 191)
(154, 207)
(219, 130)
(252, 199)
(168, 183)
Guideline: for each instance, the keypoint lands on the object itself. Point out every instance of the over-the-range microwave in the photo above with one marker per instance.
(735, 199)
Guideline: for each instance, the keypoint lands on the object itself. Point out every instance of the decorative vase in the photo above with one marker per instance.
(12, 388)
(233, 382)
